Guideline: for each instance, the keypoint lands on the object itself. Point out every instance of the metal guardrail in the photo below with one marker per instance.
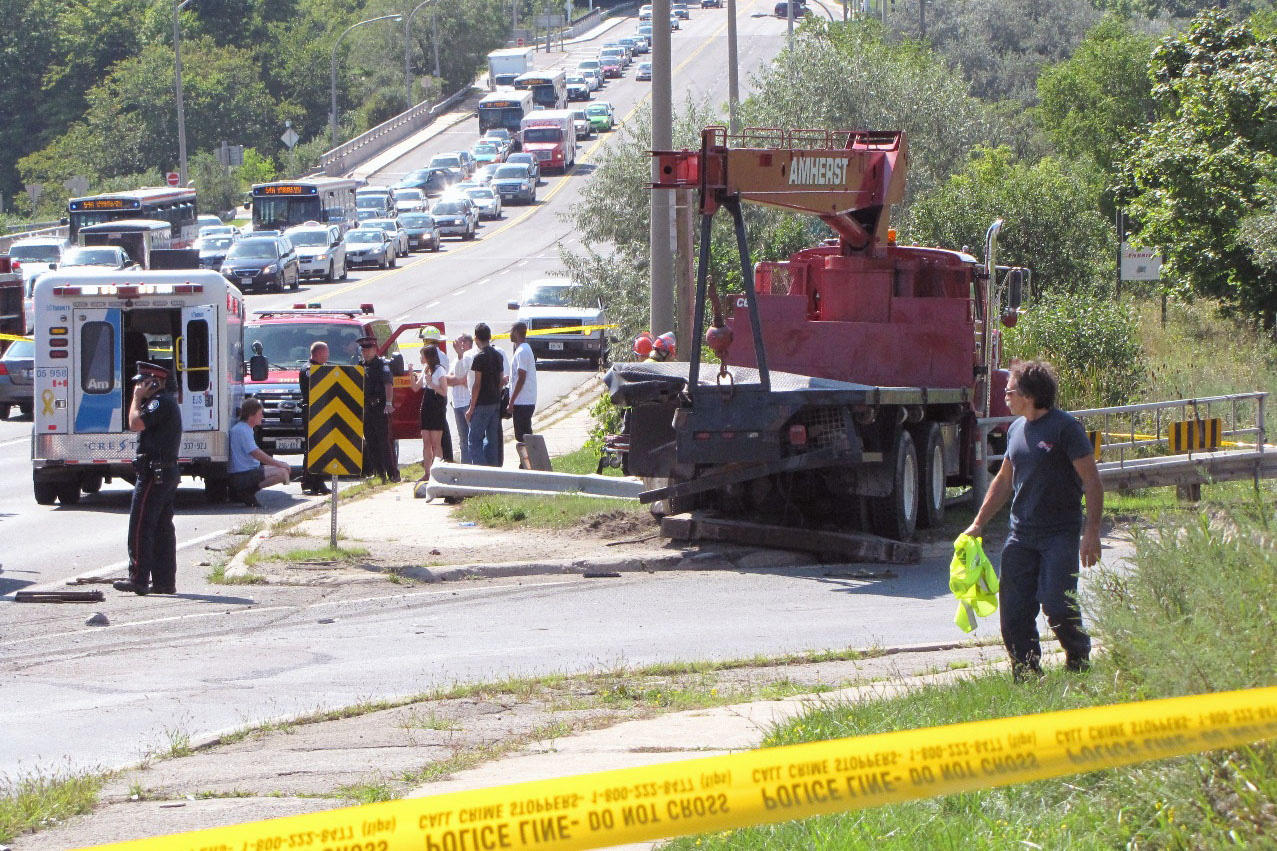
(1139, 437)
(39, 229)
(368, 144)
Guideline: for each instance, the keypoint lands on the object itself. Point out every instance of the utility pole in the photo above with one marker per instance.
(177, 84)
(733, 71)
(662, 266)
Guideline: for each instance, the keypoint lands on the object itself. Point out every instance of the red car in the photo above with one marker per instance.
(611, 67)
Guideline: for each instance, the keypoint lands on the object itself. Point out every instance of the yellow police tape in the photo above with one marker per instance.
(760, 786)
(540, 332)
(14, 337)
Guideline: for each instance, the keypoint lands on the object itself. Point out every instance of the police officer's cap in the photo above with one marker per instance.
(145, 369)
(366, 342)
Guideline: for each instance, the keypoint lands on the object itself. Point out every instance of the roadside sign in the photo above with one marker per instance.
(290, 138)
(35, 190)
(172, 178)
(77, 185)
(1140, 264)
(335, 425)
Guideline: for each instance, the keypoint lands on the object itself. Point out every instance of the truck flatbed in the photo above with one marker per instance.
(788, 388)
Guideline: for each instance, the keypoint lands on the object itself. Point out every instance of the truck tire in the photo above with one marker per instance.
(91, 484)
(931, 476)
(26, 409)
(216, 489)
(895, 515)
(4, 411)
(46, 493)
(69, 492)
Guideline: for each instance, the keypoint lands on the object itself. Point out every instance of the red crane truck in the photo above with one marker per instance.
(851, 375)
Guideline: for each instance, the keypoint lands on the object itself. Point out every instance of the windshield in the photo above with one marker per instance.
(596, 110)
(541, 134)
(35, 253)
(498, 134)
(92, 257)
(484, 194)
(445, 162)
(416, 220)
(370, 202)
(486, 148)
(384, 224)
(408, 195)
(253, 249)
(557, 295)
(512, 172)
(448, 208)
(288, 346)
(376, 236)
(20, 350)
(309, 237)
(214, 243)
(588, 65)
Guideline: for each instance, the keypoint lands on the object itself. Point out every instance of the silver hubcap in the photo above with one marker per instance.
(909, 486)
(937, 476)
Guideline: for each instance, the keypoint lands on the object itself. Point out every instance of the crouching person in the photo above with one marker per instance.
(250, 468)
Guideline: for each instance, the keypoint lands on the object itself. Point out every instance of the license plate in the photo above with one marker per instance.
(288, 443)
(556, 347)
(246, 282)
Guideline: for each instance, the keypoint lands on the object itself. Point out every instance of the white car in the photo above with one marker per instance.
(592, 71)
(321, 251)
(487, 202)
(645, 12)
(410, 200)
(552, 303)
(35, 253)
(219, 230)
(581, 122)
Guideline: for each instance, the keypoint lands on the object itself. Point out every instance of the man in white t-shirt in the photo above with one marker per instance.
(459, 390)
(523, 379)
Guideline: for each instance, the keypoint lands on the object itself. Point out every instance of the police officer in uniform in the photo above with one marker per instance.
(312, 483)
(378, 405)
(152, 539)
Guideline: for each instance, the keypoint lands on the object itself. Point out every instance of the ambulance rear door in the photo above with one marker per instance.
(96, 371)
(198, 365)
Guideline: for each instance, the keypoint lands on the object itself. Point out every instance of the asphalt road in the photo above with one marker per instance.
(465, 283)
(220, 657)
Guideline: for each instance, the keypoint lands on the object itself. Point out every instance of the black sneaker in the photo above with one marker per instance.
(1077, 664)
(129, 586)
(155, 589)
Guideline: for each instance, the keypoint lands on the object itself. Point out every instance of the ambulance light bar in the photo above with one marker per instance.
(130, 290)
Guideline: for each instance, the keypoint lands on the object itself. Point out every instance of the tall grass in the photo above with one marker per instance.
(1195, 614)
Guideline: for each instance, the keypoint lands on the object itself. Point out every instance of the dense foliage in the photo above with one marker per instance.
(102, 72)
(1195, 180)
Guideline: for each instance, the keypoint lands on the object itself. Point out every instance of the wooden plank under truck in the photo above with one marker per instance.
(91, 329)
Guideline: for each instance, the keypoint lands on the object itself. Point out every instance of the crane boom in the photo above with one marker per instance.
(848, 178)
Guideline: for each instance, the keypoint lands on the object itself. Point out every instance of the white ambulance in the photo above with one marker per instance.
(91, 329)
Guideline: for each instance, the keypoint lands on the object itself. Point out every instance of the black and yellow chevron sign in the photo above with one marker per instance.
(1193, 435)
(335, 426)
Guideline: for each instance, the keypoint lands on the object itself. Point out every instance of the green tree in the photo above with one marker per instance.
(130, 125)
(1097, 100)
(1051, 222)
(850, 78)
(1201, 170)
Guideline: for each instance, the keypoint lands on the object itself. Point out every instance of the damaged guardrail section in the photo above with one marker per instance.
(768, 785)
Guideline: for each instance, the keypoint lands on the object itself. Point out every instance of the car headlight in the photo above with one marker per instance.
(270, 270)
(320, 258)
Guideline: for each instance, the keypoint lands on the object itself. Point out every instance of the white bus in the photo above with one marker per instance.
(286, 203)
(504, 109)
(175, 205)
(549, 88)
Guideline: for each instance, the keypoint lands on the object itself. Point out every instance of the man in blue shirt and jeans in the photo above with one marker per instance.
(1049, 464)
(250, 468)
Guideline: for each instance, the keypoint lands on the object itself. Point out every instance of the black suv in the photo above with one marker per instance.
(432, 181)
(262, 262)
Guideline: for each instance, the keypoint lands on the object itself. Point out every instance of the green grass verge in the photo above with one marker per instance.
(37, 801)
(558, 512)
(1193, 616)
(583, 461)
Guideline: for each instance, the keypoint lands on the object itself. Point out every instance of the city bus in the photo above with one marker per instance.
(175, 205)
(285, 203)
(504, 109)
(549, 88)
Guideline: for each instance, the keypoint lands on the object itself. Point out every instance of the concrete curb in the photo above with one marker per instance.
(237, 567)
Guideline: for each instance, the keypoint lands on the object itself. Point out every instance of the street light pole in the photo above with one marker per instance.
(177, 85)
(407, 48)
(733, 72)
(332, 114)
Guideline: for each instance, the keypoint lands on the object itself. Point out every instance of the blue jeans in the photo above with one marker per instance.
(463, 433)
(485, 435)
(1041, 571)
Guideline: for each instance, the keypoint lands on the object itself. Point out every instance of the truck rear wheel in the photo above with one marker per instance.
(931, 476)
(69, 492)
(46, 493)
(896, 514)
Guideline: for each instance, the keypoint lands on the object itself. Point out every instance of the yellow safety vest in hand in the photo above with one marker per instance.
(973, 581)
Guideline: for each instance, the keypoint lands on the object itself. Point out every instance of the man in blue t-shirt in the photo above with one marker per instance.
(1049, 464)
(250, 468)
